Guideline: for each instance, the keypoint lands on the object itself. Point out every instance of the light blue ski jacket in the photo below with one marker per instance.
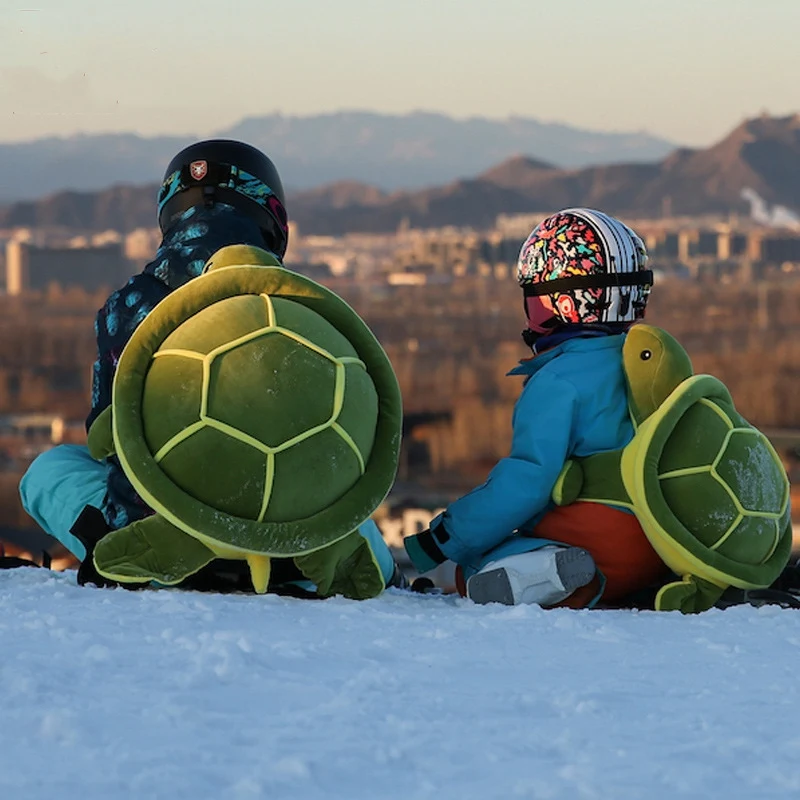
(573, 403)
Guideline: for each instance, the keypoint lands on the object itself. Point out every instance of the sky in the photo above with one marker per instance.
(682, 69)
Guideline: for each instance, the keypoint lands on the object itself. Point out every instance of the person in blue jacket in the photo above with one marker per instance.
(585, 282)
(214, 193)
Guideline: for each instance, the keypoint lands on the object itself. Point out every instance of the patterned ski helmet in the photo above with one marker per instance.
(583, 266)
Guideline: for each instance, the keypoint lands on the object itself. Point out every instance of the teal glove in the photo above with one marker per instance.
(423, 551)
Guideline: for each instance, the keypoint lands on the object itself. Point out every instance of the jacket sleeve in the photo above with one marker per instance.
(114, 325)
(519, 486)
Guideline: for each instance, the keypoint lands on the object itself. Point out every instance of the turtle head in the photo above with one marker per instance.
(655, 364)
(241, 255)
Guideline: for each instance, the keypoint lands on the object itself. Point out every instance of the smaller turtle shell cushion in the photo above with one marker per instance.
(719, 478)
(709, 490)
(254, 409)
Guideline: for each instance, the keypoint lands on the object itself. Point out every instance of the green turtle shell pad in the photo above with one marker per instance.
(709, 489)
(255, 410)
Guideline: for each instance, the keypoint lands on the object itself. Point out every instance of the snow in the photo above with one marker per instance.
(168, 694)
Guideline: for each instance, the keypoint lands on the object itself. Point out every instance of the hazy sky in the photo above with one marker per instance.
(688, 70)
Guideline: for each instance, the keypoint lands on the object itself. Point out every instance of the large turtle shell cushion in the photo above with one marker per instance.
(254, 409)
(713, 486)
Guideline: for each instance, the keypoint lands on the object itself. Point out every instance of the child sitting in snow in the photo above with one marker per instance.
(214, 194)
(585, 282)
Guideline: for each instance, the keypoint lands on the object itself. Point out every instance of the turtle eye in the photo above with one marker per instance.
(645, 355)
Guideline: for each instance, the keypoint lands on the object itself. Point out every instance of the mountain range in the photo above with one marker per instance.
(389, 151)
(762, 156)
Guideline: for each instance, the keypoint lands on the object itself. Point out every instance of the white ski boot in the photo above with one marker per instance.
(541, 577)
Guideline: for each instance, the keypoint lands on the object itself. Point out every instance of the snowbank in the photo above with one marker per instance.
(163, 694)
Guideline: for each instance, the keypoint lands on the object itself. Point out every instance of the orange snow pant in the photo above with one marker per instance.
(615, 541)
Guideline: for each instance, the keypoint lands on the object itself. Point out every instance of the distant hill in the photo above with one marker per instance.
(32, 170)
(122, 208)
(392, 152)
(762, 155)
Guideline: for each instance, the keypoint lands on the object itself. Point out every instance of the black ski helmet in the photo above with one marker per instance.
(226, 171)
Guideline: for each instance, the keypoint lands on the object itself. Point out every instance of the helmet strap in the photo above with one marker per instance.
(642, 277)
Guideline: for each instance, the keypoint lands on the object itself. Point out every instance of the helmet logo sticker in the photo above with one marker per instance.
(198, 169)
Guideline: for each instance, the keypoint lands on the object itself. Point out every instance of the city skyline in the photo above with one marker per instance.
(195, 68)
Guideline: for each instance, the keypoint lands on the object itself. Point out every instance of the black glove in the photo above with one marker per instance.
(89, 529)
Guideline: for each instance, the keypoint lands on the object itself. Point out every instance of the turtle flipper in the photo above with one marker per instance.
(101, 436)
(690, 595)
(569, 484)
(150, 550)
(347, 567)
(593, 479)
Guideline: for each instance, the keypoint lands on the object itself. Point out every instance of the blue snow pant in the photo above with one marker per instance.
(63, 480)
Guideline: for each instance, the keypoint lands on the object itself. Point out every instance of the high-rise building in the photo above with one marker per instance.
(33, 268)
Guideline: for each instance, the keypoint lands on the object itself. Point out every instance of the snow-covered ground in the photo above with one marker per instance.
(163, 694)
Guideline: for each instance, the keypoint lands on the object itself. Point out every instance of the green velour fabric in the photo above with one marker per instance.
(709, 490)
(237, 255)
(100, 439)
(655, 365)
(696, 507)
(597, 477)
(255, 410)
(689, 596)
(150, 550)
(347, 567)
(257, 414)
